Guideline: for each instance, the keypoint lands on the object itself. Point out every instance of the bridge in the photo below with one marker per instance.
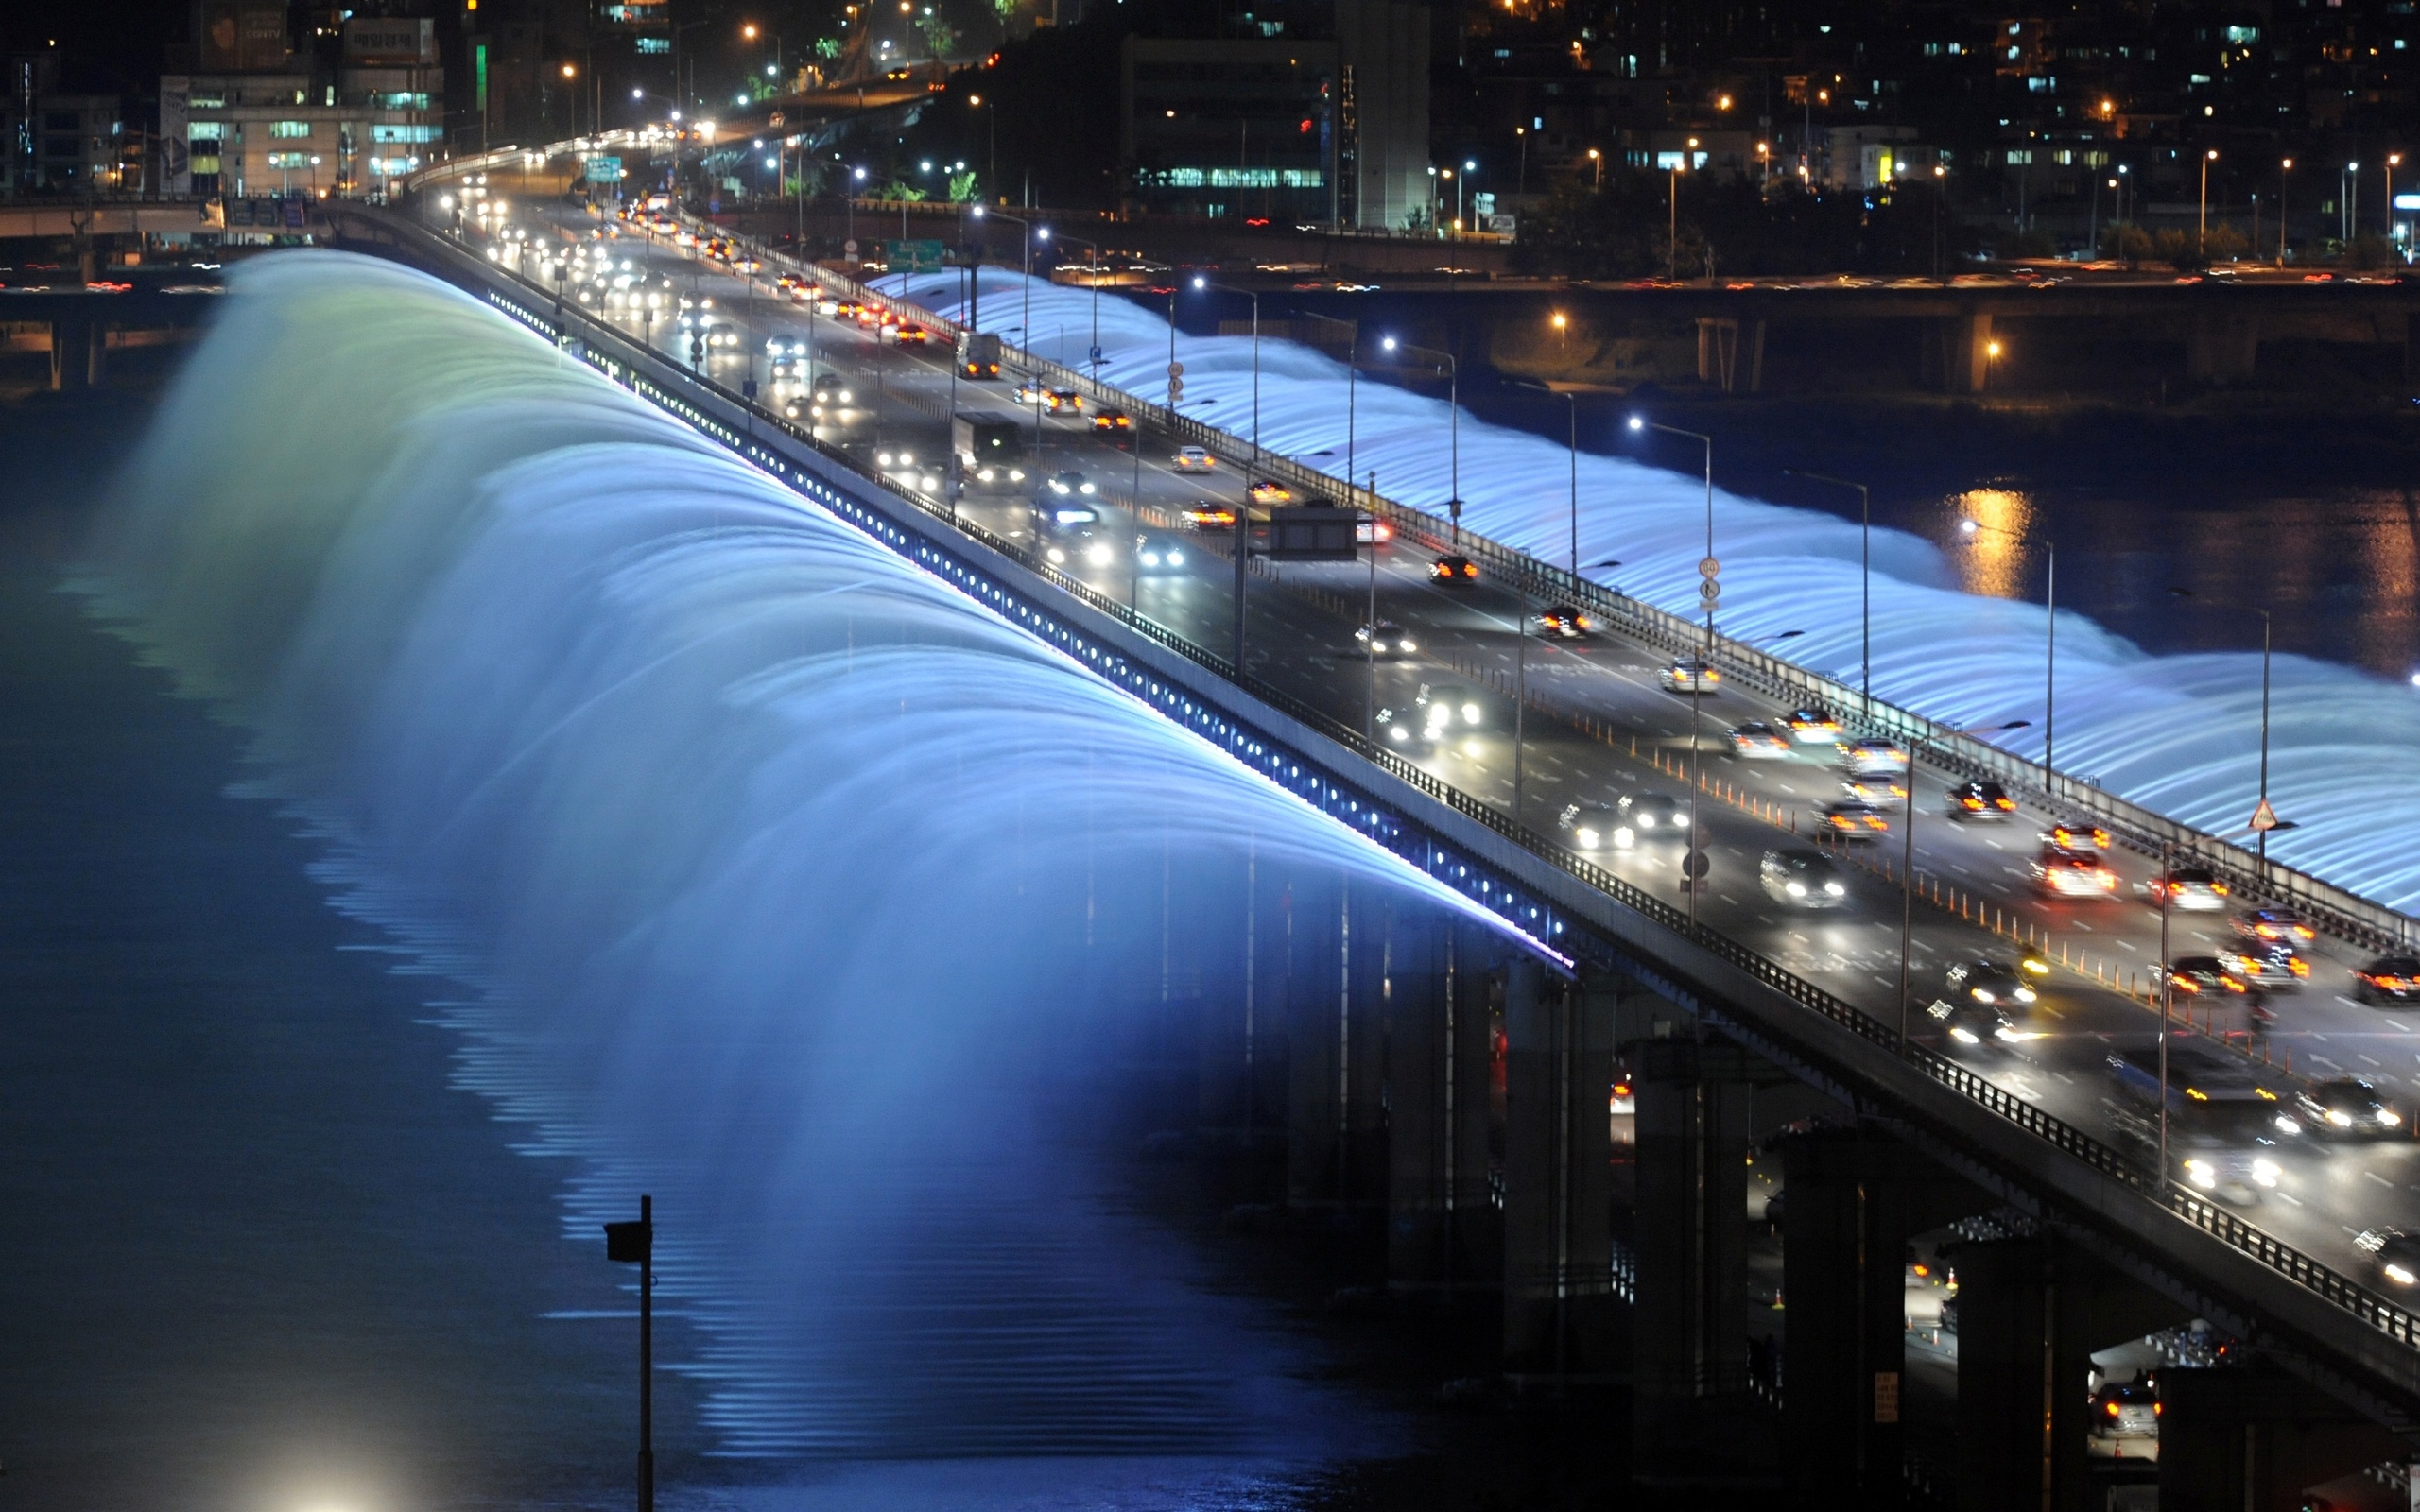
(1741, 1045)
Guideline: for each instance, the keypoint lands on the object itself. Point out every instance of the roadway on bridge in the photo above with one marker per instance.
(1301, 629)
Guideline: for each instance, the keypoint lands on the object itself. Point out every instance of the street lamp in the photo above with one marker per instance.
(2393, 160)
(1571, 398)
(1599, 158)
(992, 132)
(1708, 570)
(2050, 654)
(1092, 258)
(2202, 233)
(1672, 232)
(1453, 431)
(1865, 575)
(1908, 858)
(2264, 818)
(2284, 166)
(1243, 511)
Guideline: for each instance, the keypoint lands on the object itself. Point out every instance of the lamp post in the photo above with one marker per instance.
(2284, 166)
(1453, 430)
(1708, 592)
(1865, 580)
(1025, 328)
(2050, 653)
(992, 132)
(1908, 859)
(2264, 818)
(1521, 179)
(1571, 400)
(2201, 230)
(2352, 200)
(633, 1244)
(1092, 262)
(1243, 511)
(1598, 159)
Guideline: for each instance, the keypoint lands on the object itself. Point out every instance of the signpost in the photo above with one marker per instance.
(633, 1244)
(913, 256)
(603, 169)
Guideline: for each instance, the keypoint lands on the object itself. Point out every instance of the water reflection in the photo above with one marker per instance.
(1992, 558)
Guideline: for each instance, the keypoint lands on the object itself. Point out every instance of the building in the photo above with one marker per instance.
(288, 129)
(1333, 131)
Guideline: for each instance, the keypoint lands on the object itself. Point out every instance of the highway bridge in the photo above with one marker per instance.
(1748, 1032)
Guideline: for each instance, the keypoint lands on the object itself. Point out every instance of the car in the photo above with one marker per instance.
(1812, 726)
(2071, 835)
(2202, 976)
(1270, 491)
(1031, 392)
(1691, 674)
(1850, 820)
(1112, 420)
(2394, 1254)
(2267, 967)
(831, 393)
(1988, 979)
(2125, 1420)
(2062, 872)
(1656, 815)
(911, 334)
(1440, 710)
(1561, 622)
(1383, 639)
(2188, 889)
(1973, 1022)
(1153, 554)
(1369, 530)
(2345, 1107)
(2273, 924)
(1882, 792)
(1802, 879)
(1453, 567)
(1056, 400)
(2388, 979)
(1756, 741)
(1194, 459)
(1596, 827)
(1874, 757)
(1980, 801)
(1208, 514)
(1068, 485)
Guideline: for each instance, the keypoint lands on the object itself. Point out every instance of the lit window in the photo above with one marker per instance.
(290, 129)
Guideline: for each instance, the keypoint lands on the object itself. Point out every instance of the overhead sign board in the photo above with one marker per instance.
(603, 169)
(913, 256)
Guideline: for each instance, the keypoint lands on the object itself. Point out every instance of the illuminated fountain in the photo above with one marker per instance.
(2177, 733)
(793, 887)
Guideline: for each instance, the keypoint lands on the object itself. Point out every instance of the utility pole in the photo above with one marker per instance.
(634, 1244)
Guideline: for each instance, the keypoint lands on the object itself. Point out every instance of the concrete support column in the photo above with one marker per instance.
(1334, 1046)
(1420, 1106)
(2253, 1441)
(2222, 346)
(79, 352)
(1731, 354)
(1558, 1074)
(2029, 1313)
(1844, 1351)
(1967, 353)
(1692, 1414)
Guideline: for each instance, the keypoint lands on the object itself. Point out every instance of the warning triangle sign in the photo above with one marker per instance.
(2264, 818)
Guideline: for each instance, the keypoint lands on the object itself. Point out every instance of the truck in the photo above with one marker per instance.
(2227, 1117)
(978, 354)
(988, 445)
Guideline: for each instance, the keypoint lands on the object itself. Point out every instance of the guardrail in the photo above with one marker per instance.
(2397, 1323)
(2345, 913)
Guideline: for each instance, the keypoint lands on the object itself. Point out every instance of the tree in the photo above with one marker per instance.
(2126, 243)
(2222, 243)
(2180, 250)
(2370, 249)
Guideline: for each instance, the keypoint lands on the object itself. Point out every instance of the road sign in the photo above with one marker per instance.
(913, 256)
(2264, 818)
(1175, 370)
(1708, 567)
(1709, 591)
(1096, 356)
(1176, 389)
(849, 248)
(1696, 865)
(604, 171)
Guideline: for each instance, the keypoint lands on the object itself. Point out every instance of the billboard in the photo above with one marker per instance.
(393, 42)
(242, 37)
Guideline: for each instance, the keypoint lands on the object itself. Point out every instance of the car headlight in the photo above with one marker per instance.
(1088, 488)
(2390, 1118)
(2265, 1172)
(2400, 1276)
(1647, 821)
(2288, 1123)
(2340, 1118)
(1835, 889)
(1965, 1037)
(1098, 555)
(1398, 733)
(1983, 995)
(1470, 713)
(1587, 839)
(1796, 889)
(931, 482)
(1176, 558)
(2005, 1032)
(2023, 994)
(1056, 556)
(1405, 645)
(2202, 1173)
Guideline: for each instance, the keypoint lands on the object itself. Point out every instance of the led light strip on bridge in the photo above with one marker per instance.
(1530, 912)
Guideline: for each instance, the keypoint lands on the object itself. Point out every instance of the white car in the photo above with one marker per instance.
(1194, 459)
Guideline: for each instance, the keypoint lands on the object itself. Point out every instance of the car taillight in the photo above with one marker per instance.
(2008, 802)
(2300, 968)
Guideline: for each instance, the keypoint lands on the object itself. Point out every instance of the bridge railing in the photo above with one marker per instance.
(2399, 1324)
(2344, 912)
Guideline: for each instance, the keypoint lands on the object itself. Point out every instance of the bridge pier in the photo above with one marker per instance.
(1693, 1418)
(79, 354)
(1559, 1304)
(1855, 1197)
(1335, 1052)
(1965, 352)
(2253, 1441)
(1731, 354)
(2222, 346)
(1443, 1232)
(2031, 1312)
